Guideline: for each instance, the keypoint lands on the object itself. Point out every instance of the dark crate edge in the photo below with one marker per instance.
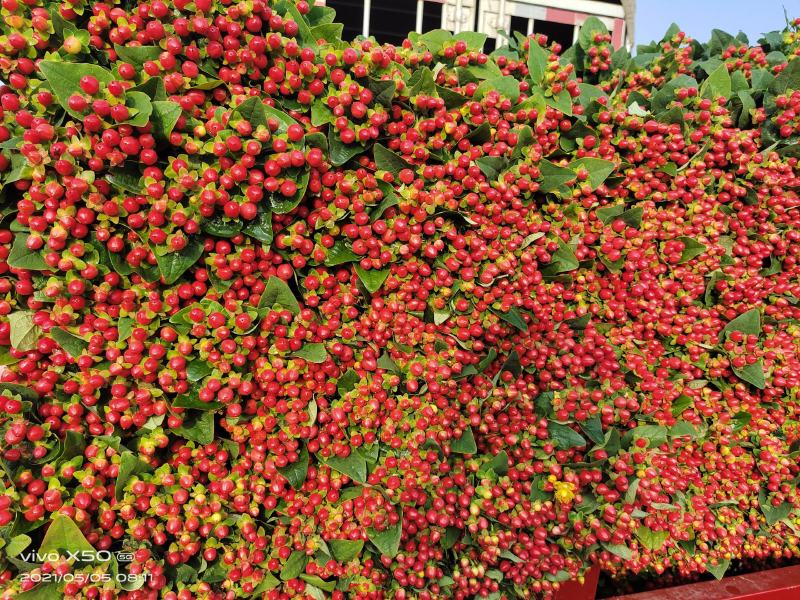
(773, 584)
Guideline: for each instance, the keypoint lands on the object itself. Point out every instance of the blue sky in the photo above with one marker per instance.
(698, 17)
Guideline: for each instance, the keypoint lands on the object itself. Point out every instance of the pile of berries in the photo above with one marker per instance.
(288, 316)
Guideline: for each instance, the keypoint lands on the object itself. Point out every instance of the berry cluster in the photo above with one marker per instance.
(283, 315)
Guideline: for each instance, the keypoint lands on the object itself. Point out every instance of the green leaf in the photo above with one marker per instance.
(313, 353)
(564, 436)
(654, 434)
(174, 264)
(252, 111)
(537, 62)
(440, 316)
(508, 555)
(588, 503)
(24, 392)
(719, 570)
(752, 374)
(487, 360)
(692, 248)
(347, 382)
(388, 540)
(619, 549)
(773, 514)
(450, 537)
(788, 79)
(529, 239)
(741, 419)
(71, 343)
(312, 412)
(345, 550)
(563, 260)
(164, 117)
(590, 27)
(320, 115)
(507, 86)
(20, 170)
(43, 591)
(71, 446)
(137, 55)
(608, 214)
(64, 535)
(544, 403)
(749, 323)
(553, 176)
(513, 317)
(497, 464)
(633, 217)
(760, 79)
(64, 80)
(385, 362)
(579, 323)
(421, 82)
(748, 105)
(294, 565)
(465, 444)
(664, 506)
(589, 93)
(318, 583)
(296, 472)
(683, 428)
(474, 40)
(278, 292)
(24, 334)
(451, 99)
(221, 226)
(17, 544)
(142, 108)
(709, 297)
(593, 428)
(354, 465)
(387, 160)
(313, 591)
(281, 204)
(660, 100)
(481, 134)
(283, 119)
(598, 169)
(198, 426)
(718, 84)
(21, 258)
(537, 493)
(191, 400)
(435, 39)
(525, 140)
(652, 540)
(636, 110)
(339, 254)
(390, 199)
(491, 166)
(128, 180)
(383, 90)
(373, 278)
(260, 228)
(330, 32)
(339, 152)
(268, 583)
(511, 364)
(129, 465)
(153, 87)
